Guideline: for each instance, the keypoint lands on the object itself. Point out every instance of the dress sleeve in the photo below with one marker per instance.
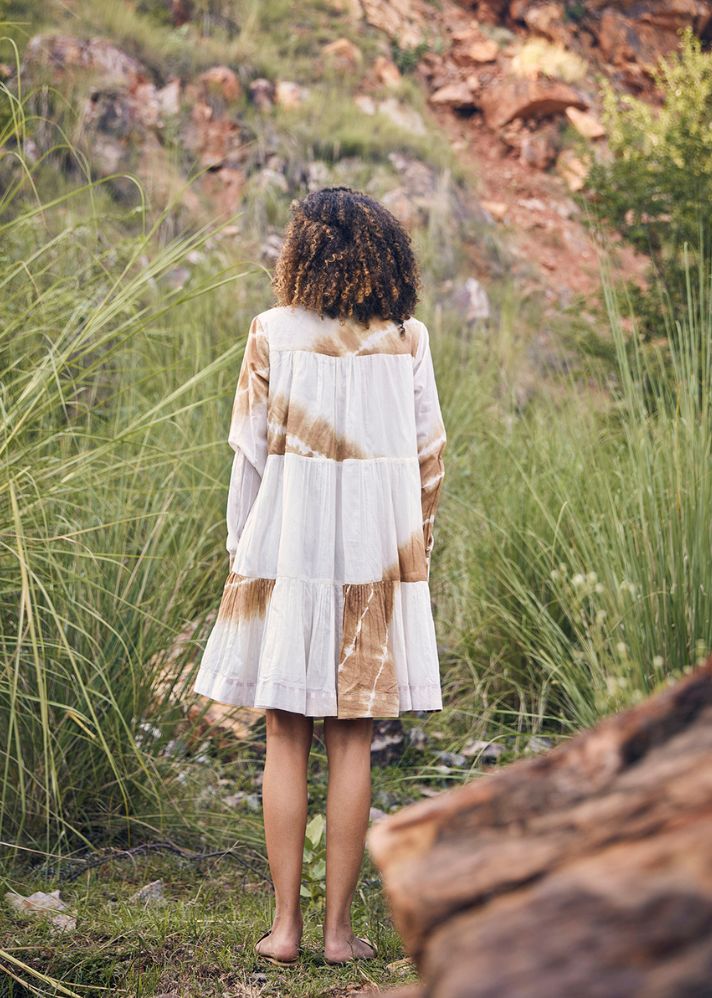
(431, 437)
(248, 433)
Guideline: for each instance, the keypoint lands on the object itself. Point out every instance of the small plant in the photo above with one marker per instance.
(314, 865)
(406, 59)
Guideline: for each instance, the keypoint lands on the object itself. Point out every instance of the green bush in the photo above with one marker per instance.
(657, 188)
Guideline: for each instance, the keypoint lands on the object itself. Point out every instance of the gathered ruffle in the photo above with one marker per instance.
(321, 648)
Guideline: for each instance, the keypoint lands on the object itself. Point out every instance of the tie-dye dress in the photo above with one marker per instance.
(336, 477)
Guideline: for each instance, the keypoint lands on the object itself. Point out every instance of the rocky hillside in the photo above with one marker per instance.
(513, 88)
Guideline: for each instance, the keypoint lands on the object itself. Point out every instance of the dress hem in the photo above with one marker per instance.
(310, 703)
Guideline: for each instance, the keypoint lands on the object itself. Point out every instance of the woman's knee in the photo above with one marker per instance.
(287, 724)
(351, 733)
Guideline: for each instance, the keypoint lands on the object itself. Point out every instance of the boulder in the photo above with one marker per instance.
(218, 85)
(288, 94)
(61, 54)
(547, 19)
(508, 97)
(456, 95)
(213, 139)
(403, 21)
(585, 123)
(624, 40)
(385, 72)
(584, 870)
(343, 53)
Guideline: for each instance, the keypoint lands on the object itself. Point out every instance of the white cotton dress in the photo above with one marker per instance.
(336, 476)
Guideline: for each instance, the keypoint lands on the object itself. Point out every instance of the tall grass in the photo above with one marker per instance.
(116, 378)
(576, 540)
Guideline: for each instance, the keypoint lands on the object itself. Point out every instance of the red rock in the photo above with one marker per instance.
(344, 53)
(507, 98)
(222, 81)
(585, 123)
(456, 95)
(63, 53)
(386, 72)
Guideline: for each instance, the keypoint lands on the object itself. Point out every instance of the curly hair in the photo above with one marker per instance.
(345, 255)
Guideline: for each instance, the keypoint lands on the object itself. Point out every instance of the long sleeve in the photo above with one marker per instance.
(431, 437)
(248, 433)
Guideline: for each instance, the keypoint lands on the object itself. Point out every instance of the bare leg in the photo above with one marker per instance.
(348, 747)
(284, 805)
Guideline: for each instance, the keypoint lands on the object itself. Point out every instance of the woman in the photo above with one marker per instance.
(338, 467)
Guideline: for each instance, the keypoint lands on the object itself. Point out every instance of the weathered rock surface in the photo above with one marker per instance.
(510, 97)
(585, 870)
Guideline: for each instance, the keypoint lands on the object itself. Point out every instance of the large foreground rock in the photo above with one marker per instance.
(586, 871)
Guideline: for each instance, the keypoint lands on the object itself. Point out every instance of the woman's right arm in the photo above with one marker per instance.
(248, 433)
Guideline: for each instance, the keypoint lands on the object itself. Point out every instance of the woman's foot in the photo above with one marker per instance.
(282, 942)
(345, 946)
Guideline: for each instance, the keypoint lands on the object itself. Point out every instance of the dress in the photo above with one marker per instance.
(336, 477)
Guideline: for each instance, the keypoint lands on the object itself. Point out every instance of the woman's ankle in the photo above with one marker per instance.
(289, 919)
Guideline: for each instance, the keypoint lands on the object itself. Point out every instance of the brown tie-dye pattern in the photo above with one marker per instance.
(366, 684)
(364, 342)
(432, 473)
(366, 681)
(411, 564)
(253, 382)
(244, 597)
(293, 429)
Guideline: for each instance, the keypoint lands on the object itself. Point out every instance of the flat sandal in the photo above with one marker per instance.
(351, 959)
(273, 959)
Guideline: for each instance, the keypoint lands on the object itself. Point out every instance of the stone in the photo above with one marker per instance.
(507, 98)
(401, 20)
(62, 53)
(36, 903)
(547, 19)
(214, 139)
(584, 870)
(485, 50)
(572, 169)
(149, 893)
(497, 209)
(585, 123)
(220, 81)
(531, 204)
(487, 752)
(288, 94)
(455, 95)
(168, 98)
(386, 72)
(343, 53)
(624, 40)
(262, 93)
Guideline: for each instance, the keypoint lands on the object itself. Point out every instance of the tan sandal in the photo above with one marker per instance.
(363, 939)
(274, 959)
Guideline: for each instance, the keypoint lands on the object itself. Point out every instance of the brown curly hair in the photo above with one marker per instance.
(345, 255)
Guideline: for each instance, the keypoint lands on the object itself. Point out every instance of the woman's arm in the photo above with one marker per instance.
(431, 437)
(248, 433)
